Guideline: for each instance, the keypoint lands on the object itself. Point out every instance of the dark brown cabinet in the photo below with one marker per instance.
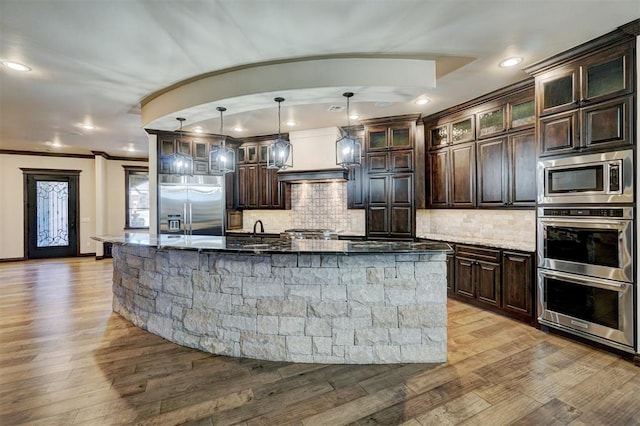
(586, 102)
(463, 175)
(258, 187)
(355, 186)
(439, 178)
(604, 125)
(497, 170)
(269, 195)
(248, 186)
(389, 177)
(517, 277)
(507, 170)
(247, 154)
(390, 136)
(392, 161)
(453, 175)
(477, 274)
(197, 146)
(600, 76)
(497, 279)
(390, 210)
(451, 268)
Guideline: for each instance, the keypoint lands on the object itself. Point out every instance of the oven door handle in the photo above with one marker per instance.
(591, 281)
(578, 221)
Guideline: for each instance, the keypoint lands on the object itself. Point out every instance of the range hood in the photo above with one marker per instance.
(314, 157)
(324, 175)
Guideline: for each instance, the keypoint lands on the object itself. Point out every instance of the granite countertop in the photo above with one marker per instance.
(503, 244)
(274, 245)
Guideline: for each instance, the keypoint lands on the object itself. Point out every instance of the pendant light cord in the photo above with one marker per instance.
(279, 100)
(222, 109)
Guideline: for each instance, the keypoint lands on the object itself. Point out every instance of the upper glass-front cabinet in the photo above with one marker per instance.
(395, 136)
(596, 78)
(463, 130)
(522, 114)
(439, 136)
(491, 122)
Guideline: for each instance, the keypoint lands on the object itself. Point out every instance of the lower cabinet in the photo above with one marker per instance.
(478, 274)
(498, 279)
(451, 276)
(517, 293)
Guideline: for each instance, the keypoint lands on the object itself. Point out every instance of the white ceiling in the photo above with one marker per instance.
(97, 61)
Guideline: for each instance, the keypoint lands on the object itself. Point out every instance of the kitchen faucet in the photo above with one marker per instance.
(261, 227)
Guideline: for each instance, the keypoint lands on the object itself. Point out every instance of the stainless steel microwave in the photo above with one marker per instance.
(605, 177)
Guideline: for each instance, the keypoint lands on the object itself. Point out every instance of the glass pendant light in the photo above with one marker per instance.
(348, 149)
(280, 153)
(222, 159)
(180, 163)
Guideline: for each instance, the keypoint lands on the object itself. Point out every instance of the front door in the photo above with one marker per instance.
(51, 213)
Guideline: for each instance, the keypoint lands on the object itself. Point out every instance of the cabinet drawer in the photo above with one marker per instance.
(478, 253)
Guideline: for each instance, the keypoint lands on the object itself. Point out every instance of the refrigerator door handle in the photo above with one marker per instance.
(190, 218)
(184, 218)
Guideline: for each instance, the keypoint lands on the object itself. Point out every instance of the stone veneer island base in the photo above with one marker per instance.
(322, 308)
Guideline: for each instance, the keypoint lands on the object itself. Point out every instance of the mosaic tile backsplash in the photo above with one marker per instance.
(313, 206)
(320, 205)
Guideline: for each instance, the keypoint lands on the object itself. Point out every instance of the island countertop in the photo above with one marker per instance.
(321, 301)
(266, 245)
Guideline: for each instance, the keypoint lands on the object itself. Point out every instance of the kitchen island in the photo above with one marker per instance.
(321, 301)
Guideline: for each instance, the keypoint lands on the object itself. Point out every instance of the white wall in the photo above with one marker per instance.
(314, 149)
(12, 209)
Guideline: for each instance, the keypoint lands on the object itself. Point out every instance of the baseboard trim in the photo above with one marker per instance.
(87, 254)
(12, 259)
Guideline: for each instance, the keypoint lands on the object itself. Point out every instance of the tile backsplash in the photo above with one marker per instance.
(319, 205)
(514, 229)
(313, 205)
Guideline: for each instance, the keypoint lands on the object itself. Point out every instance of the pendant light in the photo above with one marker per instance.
(179, 163)
(222, 159)
(280, 153)
(348, 149)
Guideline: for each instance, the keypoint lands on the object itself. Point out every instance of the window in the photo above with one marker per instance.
(136, 181)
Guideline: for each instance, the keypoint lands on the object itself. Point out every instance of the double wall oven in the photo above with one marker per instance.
(586, 220)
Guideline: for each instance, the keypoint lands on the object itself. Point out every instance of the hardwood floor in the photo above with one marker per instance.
(65, 358)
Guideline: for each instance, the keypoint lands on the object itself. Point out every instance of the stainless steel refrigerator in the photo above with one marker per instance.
(191, 205)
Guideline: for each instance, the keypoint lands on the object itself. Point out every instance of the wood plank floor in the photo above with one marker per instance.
(65, 358)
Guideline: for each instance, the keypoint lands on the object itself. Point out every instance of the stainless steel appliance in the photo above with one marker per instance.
(585, 179)
(191, 205)
(596, 242)
(594, 308)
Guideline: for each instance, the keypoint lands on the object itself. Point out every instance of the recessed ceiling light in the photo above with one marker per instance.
(510, 62)
(16, 66)
(290, 123)
(198, 129)
(423, 101)
(130, 148)
(238, 129)
(354, 116)
(56, 144)
(87, 126)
